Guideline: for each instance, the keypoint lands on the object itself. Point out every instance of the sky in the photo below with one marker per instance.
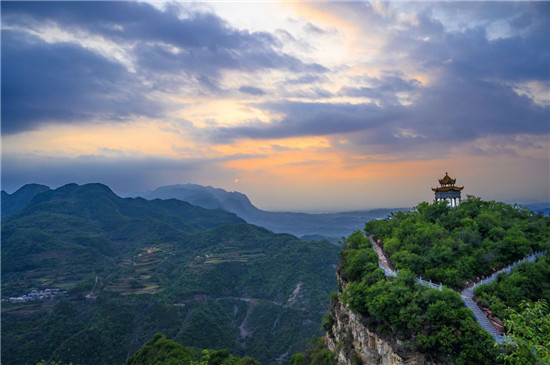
(303, 106)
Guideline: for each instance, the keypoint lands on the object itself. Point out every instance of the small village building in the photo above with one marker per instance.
(448, 191)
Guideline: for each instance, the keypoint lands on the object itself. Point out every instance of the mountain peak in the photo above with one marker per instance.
(204, 196)
(11, 203)
(330, 225)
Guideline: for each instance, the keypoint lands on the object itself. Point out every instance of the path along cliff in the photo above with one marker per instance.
(354, 341)
(466, 294)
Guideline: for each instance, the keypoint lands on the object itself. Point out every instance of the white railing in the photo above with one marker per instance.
(466, 294)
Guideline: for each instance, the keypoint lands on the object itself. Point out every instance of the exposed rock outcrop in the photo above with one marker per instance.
(353, 342)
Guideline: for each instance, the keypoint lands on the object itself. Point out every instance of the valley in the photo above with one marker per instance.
(161, 266)
(130, 268)
(275, 182)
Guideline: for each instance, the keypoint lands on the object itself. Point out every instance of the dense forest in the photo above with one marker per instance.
(455, 245)
(520, 298)
(161, 266)
(452, 246)
(163, 351)
(430, 321)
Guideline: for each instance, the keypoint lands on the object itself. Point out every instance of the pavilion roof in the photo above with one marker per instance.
(448, 188)
(447, 180)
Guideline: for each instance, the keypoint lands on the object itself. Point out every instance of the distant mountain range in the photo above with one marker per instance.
(540, 208)
(331, 226)
(203, 277)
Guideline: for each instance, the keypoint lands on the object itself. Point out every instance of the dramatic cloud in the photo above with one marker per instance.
(251, 90)
(279, 95)
(310, 119)
(62, 82)
(385, 89)
(470, 93)
(71, 79)
(162, 40)
(465, 111)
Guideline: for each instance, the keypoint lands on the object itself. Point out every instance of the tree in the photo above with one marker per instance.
(161, 350)
(297, 359)
(528, 334)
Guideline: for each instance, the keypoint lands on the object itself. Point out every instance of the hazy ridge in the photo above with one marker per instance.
(331, 226)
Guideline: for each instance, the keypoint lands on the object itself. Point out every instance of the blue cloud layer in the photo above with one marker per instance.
(470, 95)
(62, 82)
(65, 82)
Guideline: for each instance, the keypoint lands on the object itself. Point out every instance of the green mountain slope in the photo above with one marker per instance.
(66, 234)
(204, 278)
(530, 281)
(432, 322)
(163, 351)
(11, 203)
(448, 245)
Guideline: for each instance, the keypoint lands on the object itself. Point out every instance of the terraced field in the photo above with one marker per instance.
(161, 266)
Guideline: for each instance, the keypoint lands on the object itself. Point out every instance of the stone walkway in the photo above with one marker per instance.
(467, 293)
(382, 260)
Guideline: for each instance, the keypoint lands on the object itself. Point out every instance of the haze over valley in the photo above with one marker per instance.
(331, 226)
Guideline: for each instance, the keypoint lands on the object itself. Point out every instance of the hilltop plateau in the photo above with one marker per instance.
(385, 313)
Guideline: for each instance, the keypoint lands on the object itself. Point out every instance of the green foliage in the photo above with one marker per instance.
(528, 334)
(436, 323)
(198, 276)
(328, 321)
(357, 259)
(163, 351)
(432, 322)
(452, 246)
(316, 353)
(528, 281)
(297, 359)
(456, 245)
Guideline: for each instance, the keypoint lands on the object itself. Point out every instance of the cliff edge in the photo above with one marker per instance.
(353, 342)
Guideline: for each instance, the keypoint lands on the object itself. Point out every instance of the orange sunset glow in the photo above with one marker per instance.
(301, 106)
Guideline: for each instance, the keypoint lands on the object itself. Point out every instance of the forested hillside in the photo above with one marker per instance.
(21, 198)
(163, 351)
(204, 278)
(456, 245)
(448, 245)
(429, 321)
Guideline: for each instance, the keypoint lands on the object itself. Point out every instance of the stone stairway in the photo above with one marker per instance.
(468, 293)
(382, 260)
(481, 318)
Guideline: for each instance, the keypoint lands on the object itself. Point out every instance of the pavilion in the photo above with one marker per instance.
(448, 191)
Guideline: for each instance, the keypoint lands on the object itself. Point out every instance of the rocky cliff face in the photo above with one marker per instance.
(354, 343)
